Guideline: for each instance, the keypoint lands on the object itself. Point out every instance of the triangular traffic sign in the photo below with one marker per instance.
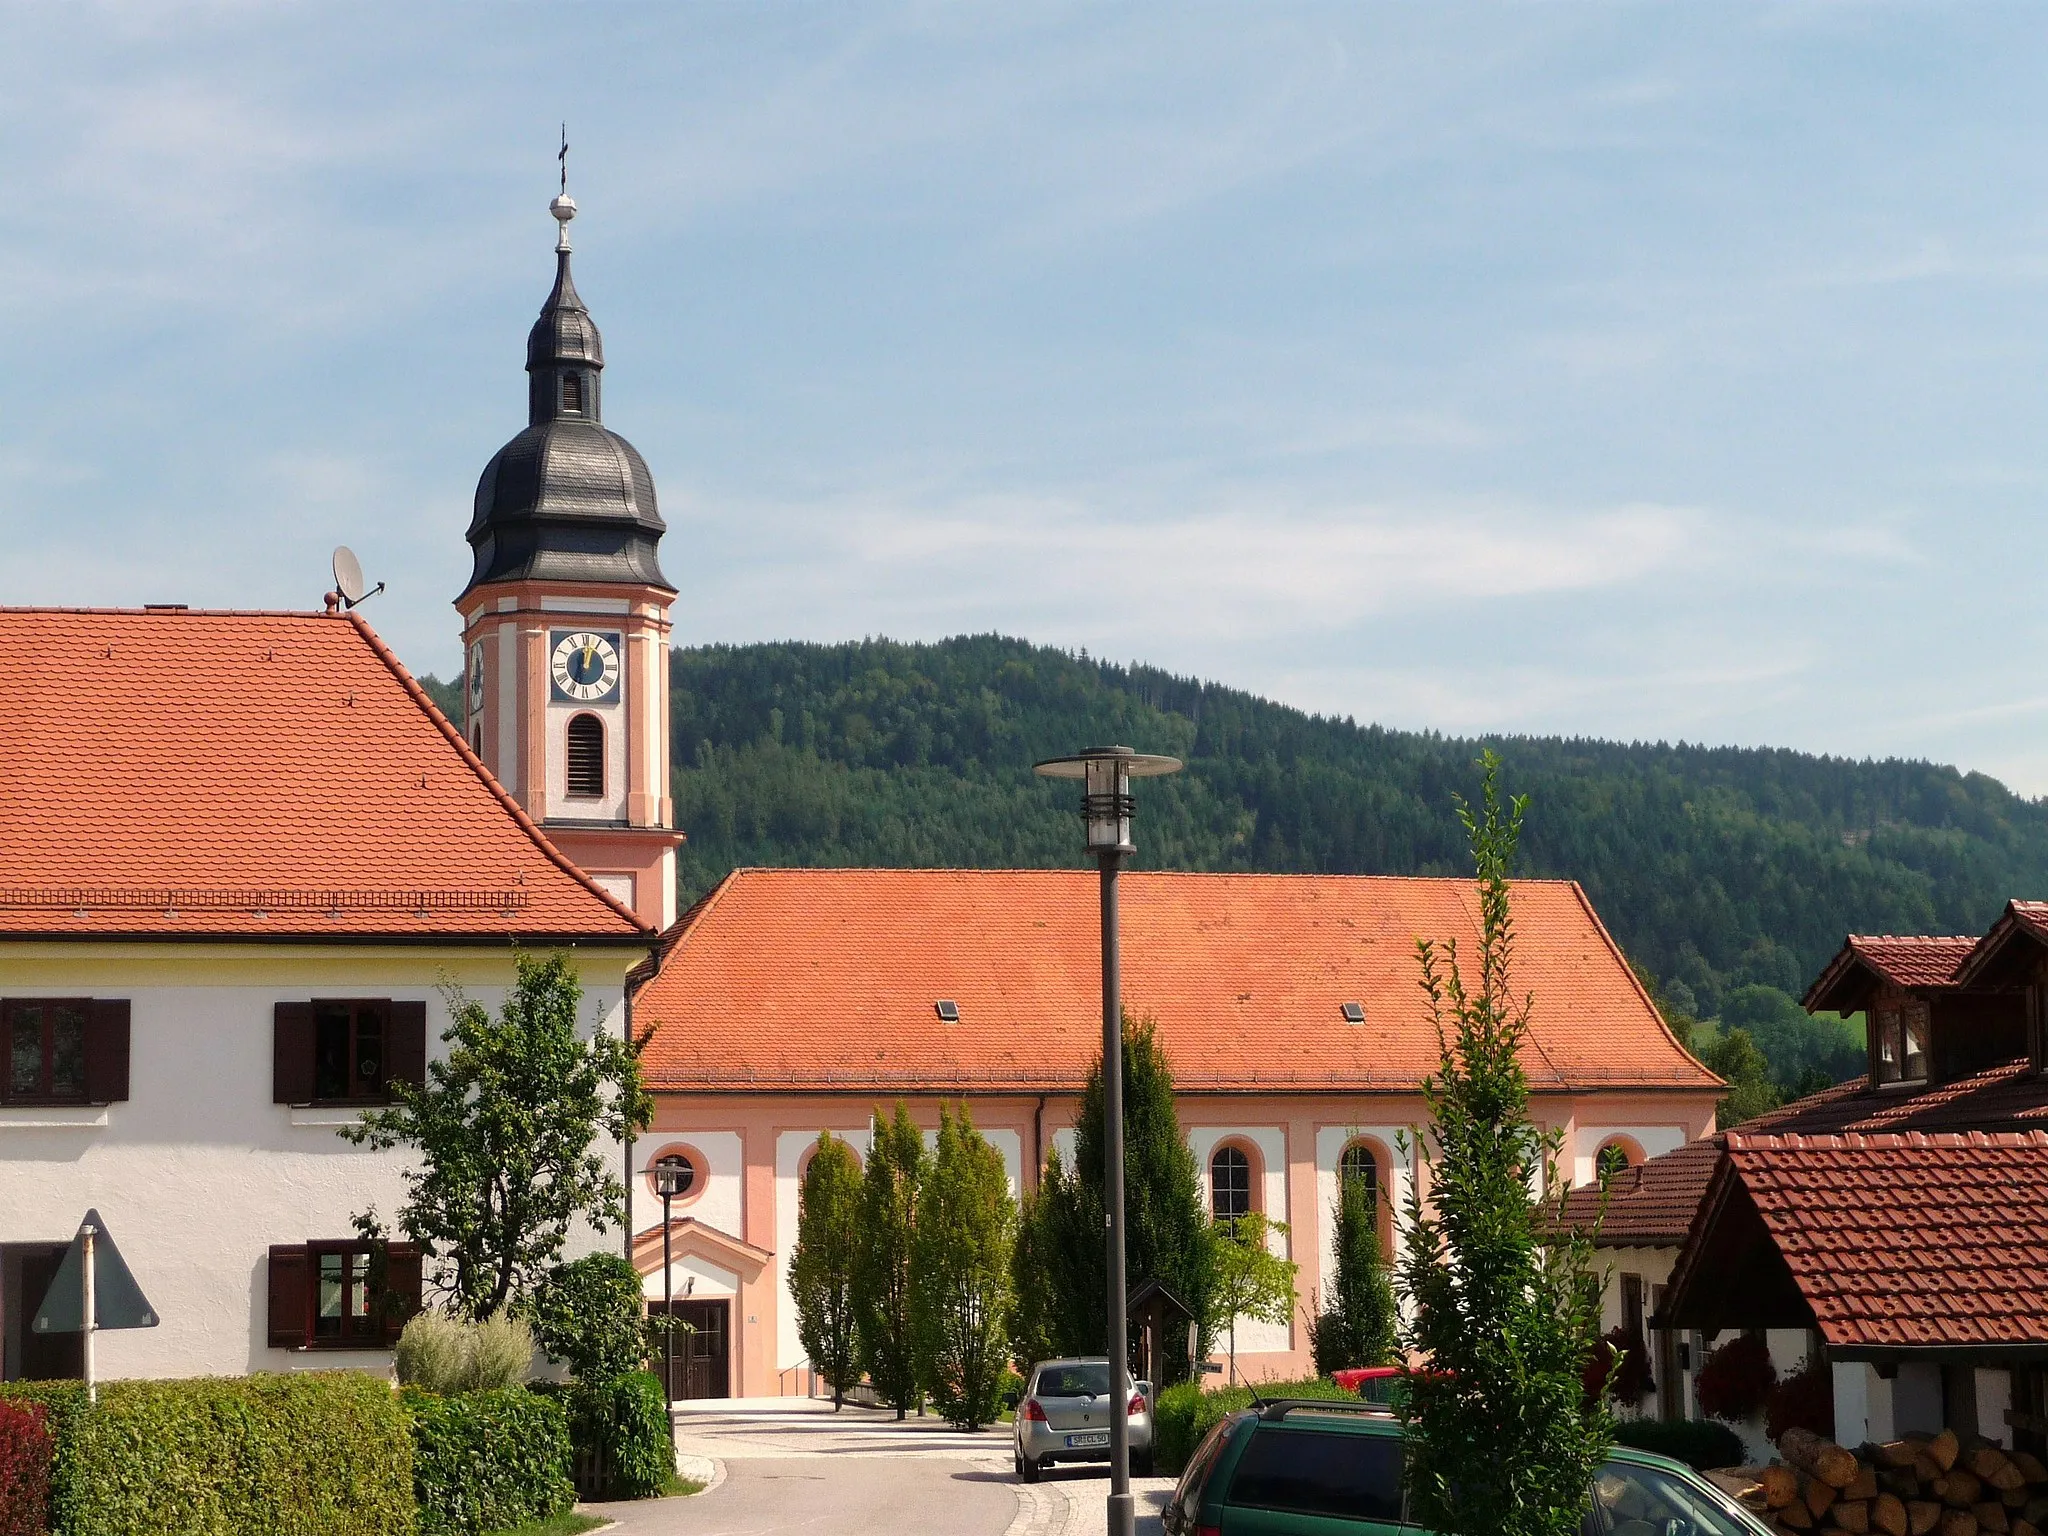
(118, 1301)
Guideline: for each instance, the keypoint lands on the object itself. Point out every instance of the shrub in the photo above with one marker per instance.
(487, 1461)
(1735, 1379)
(1185, 1414)
(1699, 1443)
(591, 1313)
(1620, 1362)
(1803, 1400)
(446, 1355)
(324, 1451)
(619, 1431)
(26, 1451)
(64, 1404)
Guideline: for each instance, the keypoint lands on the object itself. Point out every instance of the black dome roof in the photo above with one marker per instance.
(567, 499)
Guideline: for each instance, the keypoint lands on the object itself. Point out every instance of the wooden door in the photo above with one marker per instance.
(45, 1356)
(702, 1357)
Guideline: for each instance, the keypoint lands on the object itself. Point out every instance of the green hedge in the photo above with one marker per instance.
(320, 1453)
(1186, 1413)
(1699, 1443)
(487, 1461)
(625, 1420)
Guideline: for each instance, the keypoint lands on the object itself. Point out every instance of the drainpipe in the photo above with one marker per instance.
(1038, 1143)
(629, 1144)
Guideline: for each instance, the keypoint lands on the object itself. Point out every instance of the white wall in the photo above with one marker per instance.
(1270, 1141)
(198, 1173)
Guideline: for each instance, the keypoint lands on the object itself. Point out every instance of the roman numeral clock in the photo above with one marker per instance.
(584, 665)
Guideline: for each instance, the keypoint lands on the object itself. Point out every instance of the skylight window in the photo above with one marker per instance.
(949, 1011)
(1354, 1013)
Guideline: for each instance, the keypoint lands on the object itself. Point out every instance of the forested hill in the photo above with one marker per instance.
(1715, 867)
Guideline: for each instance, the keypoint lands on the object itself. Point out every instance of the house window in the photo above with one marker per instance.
(1900, 1043)
(46, 1050)
(586, 757)
(350, 1052)
(1230, 1183)
(341, 1295)
(346, 1050)
(572, 392)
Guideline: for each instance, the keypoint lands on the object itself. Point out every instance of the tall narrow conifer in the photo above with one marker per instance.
(882, 1278)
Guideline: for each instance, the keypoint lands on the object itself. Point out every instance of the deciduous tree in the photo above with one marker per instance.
(1502, 1438)
(505, 1131)
(1252, 1281)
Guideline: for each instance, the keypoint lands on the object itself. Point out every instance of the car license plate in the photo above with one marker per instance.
(1077, 1442)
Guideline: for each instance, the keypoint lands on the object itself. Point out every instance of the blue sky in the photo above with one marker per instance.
(1623, 370)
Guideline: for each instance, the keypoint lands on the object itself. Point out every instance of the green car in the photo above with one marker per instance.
(1331, 1469)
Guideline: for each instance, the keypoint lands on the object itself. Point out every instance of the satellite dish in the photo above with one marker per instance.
(348, 578)
(348, 575)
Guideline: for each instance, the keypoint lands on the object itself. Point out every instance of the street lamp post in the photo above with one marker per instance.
(671, 1178)
(1107, 809)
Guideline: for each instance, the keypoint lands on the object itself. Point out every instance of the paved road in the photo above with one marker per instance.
(789, 1466)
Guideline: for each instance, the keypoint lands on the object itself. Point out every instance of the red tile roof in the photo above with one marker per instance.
(183, 774)
(827, 979)
(1993, 960)
(1913, 1239)
(1654, 1204)
(1925, 960)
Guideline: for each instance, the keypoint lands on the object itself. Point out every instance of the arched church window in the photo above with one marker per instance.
(1359, 1163)
(572, 392)
(586, 756)
(1230, 1183)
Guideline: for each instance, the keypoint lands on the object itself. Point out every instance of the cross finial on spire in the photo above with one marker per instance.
(564, 206)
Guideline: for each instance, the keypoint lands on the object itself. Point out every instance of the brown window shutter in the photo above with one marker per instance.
(406, 1054)
(106, 1051)
(291, 1297)
(291, 1071)
(401, 1288)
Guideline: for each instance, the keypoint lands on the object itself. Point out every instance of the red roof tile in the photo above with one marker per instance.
(1923, 960)
(170, 774)
(1912, 1239)
(1992, 962)
(823, 978)
(1654, 1205)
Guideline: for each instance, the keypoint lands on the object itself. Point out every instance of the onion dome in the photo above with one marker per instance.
(567, 499)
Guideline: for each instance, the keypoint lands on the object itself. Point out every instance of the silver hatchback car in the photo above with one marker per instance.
(1064, 1413)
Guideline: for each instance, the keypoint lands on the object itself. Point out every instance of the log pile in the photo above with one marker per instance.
(1923, 1485)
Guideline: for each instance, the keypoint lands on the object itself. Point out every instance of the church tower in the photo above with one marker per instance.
(565, 623)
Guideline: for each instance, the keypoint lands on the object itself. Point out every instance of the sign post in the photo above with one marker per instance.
(93, 1290)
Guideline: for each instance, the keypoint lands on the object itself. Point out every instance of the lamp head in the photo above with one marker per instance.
(1106, 804)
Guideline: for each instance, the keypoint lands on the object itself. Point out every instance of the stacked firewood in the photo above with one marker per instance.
(1923, 1485)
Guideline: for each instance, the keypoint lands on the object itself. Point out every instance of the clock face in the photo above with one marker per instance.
(476, 678)
(585, 665)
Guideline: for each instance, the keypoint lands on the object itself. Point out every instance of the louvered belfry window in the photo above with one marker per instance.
(572, 392)
(586, 756)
